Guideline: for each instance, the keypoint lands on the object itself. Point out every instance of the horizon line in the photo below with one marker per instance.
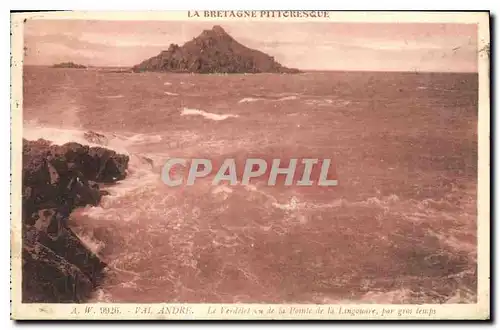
(302, 70)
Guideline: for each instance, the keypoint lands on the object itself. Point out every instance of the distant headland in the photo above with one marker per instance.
(69, 65)
(213, 51)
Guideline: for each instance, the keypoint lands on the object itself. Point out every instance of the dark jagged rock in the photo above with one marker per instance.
(97, 138)
(49, 278)
(213, 51)
(57, 266)
(69, 65)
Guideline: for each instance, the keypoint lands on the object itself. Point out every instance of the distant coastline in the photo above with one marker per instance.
(69, 65)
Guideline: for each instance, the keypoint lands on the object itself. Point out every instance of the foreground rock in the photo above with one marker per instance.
(213, 51)
(69, 65)
(57, 266)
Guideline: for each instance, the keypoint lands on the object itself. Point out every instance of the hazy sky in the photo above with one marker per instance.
(321, 45)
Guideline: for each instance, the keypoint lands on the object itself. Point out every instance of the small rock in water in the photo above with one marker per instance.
(97, 138)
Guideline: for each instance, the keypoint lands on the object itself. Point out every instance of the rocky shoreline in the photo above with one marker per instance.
(57, 266)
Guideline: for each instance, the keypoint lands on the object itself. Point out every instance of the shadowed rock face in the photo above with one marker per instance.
(57, 266)
(213, 51)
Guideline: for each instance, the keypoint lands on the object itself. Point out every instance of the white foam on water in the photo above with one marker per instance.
(287, 98)
(222, 189)
(61, 136)
(249, 100)
(89, 241)
(145, 138)
(340, 202)
(400, 296)
(207, 115)
(435, 89)
(290, 206)
(327, 102)
(253, 188)
(100, 296)
(454, 243)
(119, 96)
(140, 174)
(287, 94)
(140, 177)
(140, 181)
(96, 212)
(222, 192)
(170, 94)
(461, 296)
(383, 203)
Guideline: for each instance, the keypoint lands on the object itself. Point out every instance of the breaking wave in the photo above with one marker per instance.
(207, 115)
(119, 96)
(287, 98)
(249, 100)
(327, 102)
(62, 136)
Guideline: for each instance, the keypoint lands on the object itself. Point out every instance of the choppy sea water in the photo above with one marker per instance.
(399, 228)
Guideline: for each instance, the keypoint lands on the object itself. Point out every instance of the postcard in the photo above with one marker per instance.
(256, 165)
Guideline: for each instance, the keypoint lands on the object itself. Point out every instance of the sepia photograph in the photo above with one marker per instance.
(232, 159)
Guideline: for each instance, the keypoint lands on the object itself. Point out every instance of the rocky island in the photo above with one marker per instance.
(57, 266)
(69, 65)
(213, 51)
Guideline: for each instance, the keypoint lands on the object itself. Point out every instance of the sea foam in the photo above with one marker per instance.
(204, 114)
(119, 96)
(249, 99)
(287, 98)
(61, 136)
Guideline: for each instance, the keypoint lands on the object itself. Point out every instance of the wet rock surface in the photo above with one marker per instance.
(57, 266)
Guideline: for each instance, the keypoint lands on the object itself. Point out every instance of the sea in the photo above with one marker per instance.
(400, 226)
